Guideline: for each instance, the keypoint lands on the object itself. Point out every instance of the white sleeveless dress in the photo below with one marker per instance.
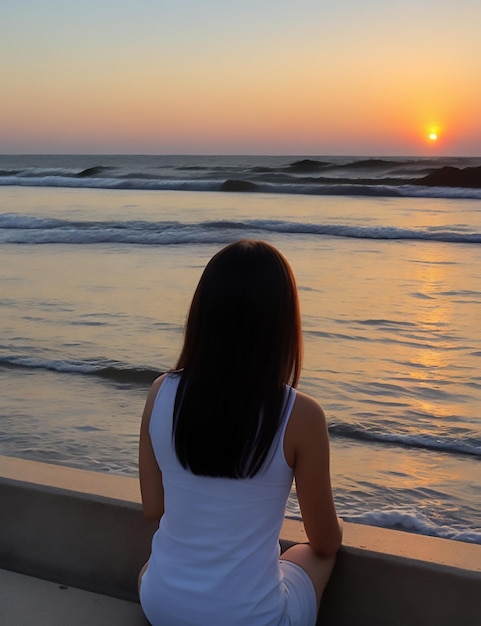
(215, 556)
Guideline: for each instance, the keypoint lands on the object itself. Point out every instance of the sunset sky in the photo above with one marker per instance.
(250, 77)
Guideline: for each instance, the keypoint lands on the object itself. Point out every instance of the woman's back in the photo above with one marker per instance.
(215, 555)
(219, 445)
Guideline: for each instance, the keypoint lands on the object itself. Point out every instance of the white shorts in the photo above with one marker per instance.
(301, 604)
(300, 597)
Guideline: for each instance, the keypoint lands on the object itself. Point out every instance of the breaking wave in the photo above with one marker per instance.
(101, 368)
(24, 229)
(446, 178)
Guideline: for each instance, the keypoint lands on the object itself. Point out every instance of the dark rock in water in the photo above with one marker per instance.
(307, 165)
(91, 171)
(368, 163)
(232, 184)
(453, 177)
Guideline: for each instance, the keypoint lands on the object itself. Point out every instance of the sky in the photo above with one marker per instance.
(310, 77)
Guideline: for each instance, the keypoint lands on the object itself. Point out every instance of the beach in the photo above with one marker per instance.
(99, 260)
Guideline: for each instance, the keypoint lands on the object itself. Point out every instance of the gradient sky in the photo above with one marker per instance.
(250, 77)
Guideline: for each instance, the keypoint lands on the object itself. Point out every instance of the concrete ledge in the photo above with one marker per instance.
(80, 528)
(25, 601)
(86, 530)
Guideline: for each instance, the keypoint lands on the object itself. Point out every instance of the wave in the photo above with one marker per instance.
(25, 229)
(101, 368)
(331, 188)
(119, 372)
(469, 445)
(412, 522)
(447, 178)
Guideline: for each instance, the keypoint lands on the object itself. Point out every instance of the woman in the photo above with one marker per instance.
(222, 438)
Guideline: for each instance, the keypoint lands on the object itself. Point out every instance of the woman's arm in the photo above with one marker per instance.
(308, 447)
(151, 486)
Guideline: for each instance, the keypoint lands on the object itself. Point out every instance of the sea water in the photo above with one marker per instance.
(99, 257)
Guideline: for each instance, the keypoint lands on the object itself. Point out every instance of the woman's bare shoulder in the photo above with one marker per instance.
(307, 427)
(152, 395)
(307, 410)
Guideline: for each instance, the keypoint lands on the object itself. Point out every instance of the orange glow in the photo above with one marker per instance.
(152, 85)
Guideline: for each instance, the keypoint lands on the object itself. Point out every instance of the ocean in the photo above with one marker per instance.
(99, 259)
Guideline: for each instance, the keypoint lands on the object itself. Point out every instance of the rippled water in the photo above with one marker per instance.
(391, 327)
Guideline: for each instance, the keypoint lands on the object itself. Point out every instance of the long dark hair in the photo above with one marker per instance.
(242, 344)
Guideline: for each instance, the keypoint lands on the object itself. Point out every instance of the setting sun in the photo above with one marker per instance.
(433, 136)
